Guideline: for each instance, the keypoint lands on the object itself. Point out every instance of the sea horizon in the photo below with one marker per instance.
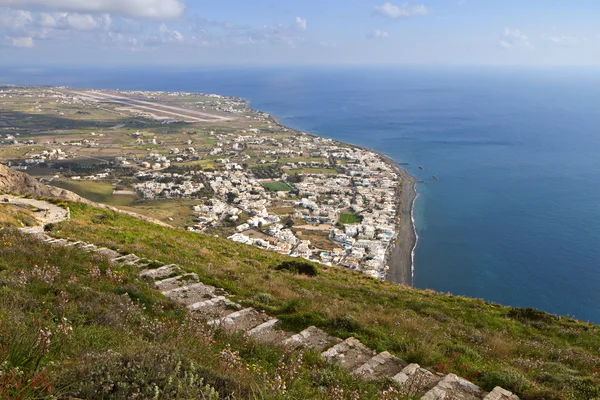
(512, 218)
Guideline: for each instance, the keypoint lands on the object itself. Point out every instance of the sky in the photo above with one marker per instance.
(298, 32)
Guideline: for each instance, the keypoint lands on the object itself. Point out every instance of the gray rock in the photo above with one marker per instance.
(349, 354)
(500, 394)
(269, 332)
(382, 365)
(454, 388)
(416, 380)
(190, 294)
(312, 338)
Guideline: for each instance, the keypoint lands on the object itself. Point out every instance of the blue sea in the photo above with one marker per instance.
(515, 215)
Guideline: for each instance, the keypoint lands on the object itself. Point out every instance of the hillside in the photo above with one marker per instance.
(12, 181)
(116, 319)
(534, 354)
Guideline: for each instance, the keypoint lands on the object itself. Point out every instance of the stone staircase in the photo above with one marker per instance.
(212, 306)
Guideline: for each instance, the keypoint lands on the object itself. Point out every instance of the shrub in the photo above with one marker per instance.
(541, 394)
(298, 267)
(347, 323)
(509, 379)
(153, 373)
(531, 314)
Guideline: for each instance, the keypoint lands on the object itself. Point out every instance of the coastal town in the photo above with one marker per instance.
(243, 175)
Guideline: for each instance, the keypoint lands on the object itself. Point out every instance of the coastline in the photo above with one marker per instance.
(401, 251)
(401, 256)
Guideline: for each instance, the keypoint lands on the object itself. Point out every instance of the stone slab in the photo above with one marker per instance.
(213, 309)
(454, 388)
(269, 332)
(190, 294)
(161, 272)
(242, 320)
(500, 394)
(382, 365)
(416, 380)
(349, 354)
(312, 338)
(176, 282)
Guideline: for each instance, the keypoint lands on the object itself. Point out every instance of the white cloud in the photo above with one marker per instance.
(170, 36)
(133, 8)
(26, 42)
(564, 41)
(14, 19)
(378, 34)
(301, 23)
(393, 11)
(513, 38)
(76, 21)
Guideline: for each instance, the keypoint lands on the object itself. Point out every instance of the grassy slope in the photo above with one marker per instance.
(113, 336)
(535, 354)
(16, 216)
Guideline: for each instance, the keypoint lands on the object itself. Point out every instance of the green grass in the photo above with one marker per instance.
(536, 354)
(73, 326)
(277, 186)
(17, 217)
(100, 192)
(349, 218)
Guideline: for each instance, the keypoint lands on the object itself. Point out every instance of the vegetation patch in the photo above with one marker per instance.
(298, 267)
(539, 354)
(16, 216)
(278, 186)
(347, 218)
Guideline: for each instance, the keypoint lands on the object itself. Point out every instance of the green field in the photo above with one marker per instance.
(100, 192)
(277, 186)
(349, 218)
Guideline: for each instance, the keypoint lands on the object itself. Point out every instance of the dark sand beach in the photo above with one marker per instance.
(401, 260)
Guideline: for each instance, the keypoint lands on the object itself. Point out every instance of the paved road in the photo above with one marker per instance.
(49, 214)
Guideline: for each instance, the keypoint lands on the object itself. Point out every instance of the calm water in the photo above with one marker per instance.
(515, 215)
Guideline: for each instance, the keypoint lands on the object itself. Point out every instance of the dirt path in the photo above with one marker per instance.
(48, 214)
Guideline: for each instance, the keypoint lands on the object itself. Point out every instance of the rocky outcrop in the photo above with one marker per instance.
(19, 183)
(15, 182)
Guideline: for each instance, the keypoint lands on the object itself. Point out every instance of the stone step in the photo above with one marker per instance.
(72, 244)
(190, 294)
(454, 388)
(269, 332)
(213, 309)
(349, 354)
(416, 380)
(242, 320)
(176, 282)
(381, 366)
(110, 254)
(59, 242)
(500, 394)
(126, 259)
(162, 272)
(312, 338)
